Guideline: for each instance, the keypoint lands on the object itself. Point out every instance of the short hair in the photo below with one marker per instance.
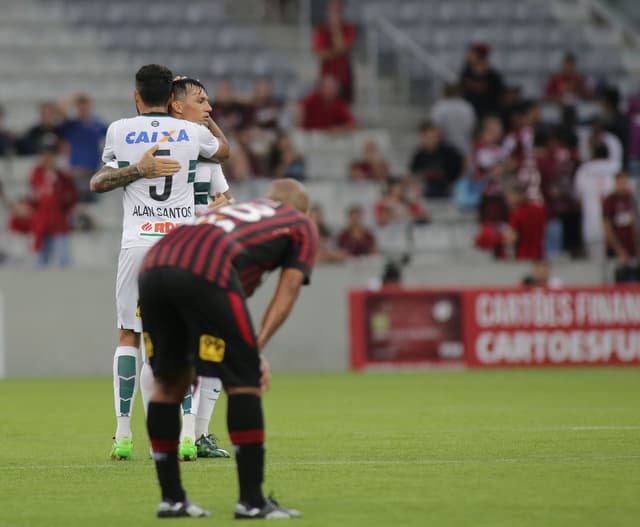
(428, 125)
(392, 272)
(622, 174)
(600, 151)
(180, 87)
(154, 83)
(610, 95)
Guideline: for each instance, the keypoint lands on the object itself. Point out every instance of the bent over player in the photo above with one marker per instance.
(193, 286)
(153, 158)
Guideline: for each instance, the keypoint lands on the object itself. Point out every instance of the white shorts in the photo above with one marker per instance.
(129, 263)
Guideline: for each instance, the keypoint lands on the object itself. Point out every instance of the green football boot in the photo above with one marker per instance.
(208, 447)
(187, 450)
(122, 450)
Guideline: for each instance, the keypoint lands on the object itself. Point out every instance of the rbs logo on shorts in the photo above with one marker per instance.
(165, 136)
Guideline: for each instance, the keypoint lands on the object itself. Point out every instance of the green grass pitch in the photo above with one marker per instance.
(482, 449)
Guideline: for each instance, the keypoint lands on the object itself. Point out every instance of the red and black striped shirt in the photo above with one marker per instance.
(250, 238)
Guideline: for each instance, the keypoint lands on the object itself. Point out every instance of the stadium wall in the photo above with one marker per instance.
(59, 323)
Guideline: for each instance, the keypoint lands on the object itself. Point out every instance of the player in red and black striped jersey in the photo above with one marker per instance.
(193, 285)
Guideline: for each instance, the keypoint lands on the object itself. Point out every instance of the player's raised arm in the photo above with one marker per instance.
(109, 178)
(291, 280)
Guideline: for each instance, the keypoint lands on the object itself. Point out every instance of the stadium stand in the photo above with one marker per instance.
(61, 47)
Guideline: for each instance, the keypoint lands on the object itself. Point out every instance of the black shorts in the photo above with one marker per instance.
(189, 321)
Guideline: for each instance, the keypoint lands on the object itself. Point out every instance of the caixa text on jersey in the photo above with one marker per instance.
(162, 212)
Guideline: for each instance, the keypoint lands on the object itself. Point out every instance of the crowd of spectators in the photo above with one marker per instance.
(66, 142)
(537, 190)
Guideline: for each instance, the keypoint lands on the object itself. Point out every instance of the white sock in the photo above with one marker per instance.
(209, 388)
(125, 385)
(146, 385)
(188, 416)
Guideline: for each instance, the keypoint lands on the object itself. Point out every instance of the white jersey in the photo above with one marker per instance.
(209, 181)
(153, 207)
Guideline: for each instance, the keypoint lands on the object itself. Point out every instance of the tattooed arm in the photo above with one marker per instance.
(109, 178)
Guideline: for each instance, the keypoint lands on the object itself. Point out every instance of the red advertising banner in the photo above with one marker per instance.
(495, 327)
(406, 328)
(563, 327)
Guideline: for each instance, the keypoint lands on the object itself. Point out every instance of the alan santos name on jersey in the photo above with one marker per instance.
(153, 207)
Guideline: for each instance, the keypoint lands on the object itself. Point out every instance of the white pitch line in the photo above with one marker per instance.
(333, 462)
(580, 428)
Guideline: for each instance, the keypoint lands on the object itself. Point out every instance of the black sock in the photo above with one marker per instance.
(246, 430)
(163, 424)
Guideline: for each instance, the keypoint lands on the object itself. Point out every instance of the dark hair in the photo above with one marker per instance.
(427, 125)
(392, 272)
(610, 95)
(600, 151)
(154, 83)
(180, 86)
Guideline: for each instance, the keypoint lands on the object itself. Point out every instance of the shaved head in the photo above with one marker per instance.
(291, 192)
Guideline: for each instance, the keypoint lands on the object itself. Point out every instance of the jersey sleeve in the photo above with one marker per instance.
(208, 144)
(109, 152)
(303, 249)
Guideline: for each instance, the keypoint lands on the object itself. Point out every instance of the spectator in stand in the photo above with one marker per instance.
(396, 207)
(599, 134)
(18, 244)
(633, 114)
(6, 138)
(613, 120)
(84, 134)
(512, 99)
(47, 126)
(488, 156)
(371, 166)
(355, 238)
(227, 110)
(326, 251)
(20, 216)
(541, 276)
(435, 163)
(557, 162)
(245, 162)
(333, 43)
(527, 221)
(484, 185)
(567, 86)
(284, 161)
(323, 109)
(519, 147)
(455, 117)
(519, 142)
(266, 107)
(620, 225)
(493, 215)
(481, 84)
(54, 195)
(593, 182)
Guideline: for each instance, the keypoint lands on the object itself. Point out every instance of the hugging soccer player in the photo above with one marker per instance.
(152, 158)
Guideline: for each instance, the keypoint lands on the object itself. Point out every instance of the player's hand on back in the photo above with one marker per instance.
(152, 167)
(220, 200)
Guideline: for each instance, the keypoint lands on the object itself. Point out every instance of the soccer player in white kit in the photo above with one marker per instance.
(153, 157)
(190, 101)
